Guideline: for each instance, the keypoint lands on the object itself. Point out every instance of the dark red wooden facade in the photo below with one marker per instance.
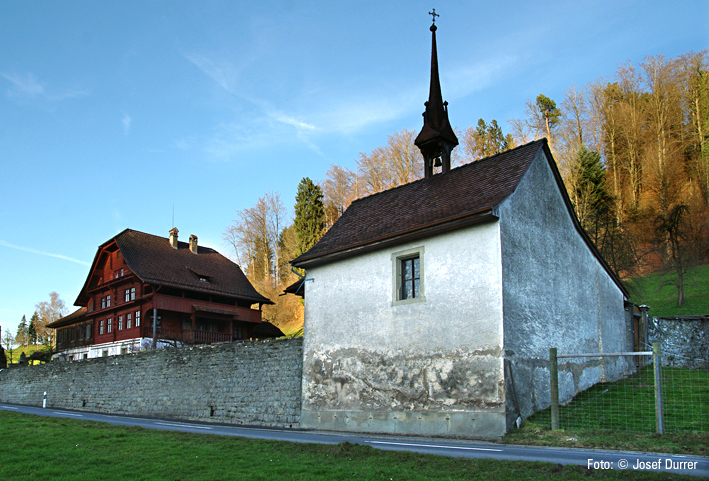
(119, 306)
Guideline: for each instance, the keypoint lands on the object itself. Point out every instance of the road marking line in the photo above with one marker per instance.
(68, 414)
(8, 407)
(433, 446)
(183, 425)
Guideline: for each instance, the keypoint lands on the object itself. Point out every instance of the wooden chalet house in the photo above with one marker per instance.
(197, 295)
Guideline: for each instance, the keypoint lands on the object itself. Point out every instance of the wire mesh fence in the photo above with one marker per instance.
(651, 399)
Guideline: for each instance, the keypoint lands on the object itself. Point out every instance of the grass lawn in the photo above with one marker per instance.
(621, 415)
(659, 292)
(67, 449)
(28, 350)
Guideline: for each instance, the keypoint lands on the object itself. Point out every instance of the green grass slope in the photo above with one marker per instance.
(659, 291)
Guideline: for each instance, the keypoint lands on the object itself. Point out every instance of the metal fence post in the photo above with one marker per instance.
(554, 379)
(657, 369)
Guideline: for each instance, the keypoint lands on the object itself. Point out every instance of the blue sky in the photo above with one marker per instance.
(113, 112)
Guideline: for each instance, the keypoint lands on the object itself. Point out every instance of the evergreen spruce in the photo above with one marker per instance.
(32, 330)
(22, 332)
(590, 197)
(309, 215)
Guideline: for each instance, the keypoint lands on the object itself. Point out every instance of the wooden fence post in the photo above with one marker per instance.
(554, 379)
(657, 368)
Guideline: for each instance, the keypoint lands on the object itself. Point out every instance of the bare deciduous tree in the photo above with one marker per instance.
(48, 312)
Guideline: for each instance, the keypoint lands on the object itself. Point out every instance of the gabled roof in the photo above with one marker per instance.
(154, 261)
(461, 197)
(72, 318)
(466, 194)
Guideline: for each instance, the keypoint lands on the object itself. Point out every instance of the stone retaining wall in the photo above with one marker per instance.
(684, 340)
(257, 383)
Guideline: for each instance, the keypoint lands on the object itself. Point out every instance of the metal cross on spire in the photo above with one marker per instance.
(433, 14)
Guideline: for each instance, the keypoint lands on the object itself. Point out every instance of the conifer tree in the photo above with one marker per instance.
(309, 215)
(32, 329)
(22, 333)
(589, 196)
(550, 113)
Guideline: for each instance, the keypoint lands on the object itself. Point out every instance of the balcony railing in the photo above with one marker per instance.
(64, 345)
(194, 336)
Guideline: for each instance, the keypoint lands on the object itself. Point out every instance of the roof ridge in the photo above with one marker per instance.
(466, 165)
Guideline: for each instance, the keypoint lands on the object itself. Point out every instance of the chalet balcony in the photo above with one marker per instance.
(194, 336)
(72, 344)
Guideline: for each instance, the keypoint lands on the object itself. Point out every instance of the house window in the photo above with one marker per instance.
(137, 318)
(91, 305)
(408, 276)
(108, 301)
(109, 325)
(103, 303)
(121, 272)
(88, 331)
(120, 323)
(115, 275)
(100, 327)
(128, 320)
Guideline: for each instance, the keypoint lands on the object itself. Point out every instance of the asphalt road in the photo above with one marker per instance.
(598, 459)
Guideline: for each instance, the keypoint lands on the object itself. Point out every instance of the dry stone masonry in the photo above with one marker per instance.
(255, 383)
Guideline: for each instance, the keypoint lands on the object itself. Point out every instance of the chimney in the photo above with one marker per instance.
(193, 244)
(173, 237)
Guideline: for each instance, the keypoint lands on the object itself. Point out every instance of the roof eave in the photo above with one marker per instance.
(466, 220)
(177, 285)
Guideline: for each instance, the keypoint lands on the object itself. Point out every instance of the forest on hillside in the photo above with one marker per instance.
(633, 151)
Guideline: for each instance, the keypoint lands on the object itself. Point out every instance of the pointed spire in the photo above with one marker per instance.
(436, 139)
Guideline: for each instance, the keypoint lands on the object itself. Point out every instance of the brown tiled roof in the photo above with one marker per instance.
(265, 330)
(154, 261)
(69, 319)
(464, 194)
(219, 310)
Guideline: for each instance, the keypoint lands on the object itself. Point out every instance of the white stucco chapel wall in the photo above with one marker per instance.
(431, 367)
(556, 294)
(474, 355)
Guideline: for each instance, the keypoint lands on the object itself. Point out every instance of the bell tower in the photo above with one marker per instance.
(436, 140)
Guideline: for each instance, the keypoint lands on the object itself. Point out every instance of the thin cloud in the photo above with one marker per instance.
(126, 121)
(213, 71)
(285, 119)
(27, 85)
(48, 254)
